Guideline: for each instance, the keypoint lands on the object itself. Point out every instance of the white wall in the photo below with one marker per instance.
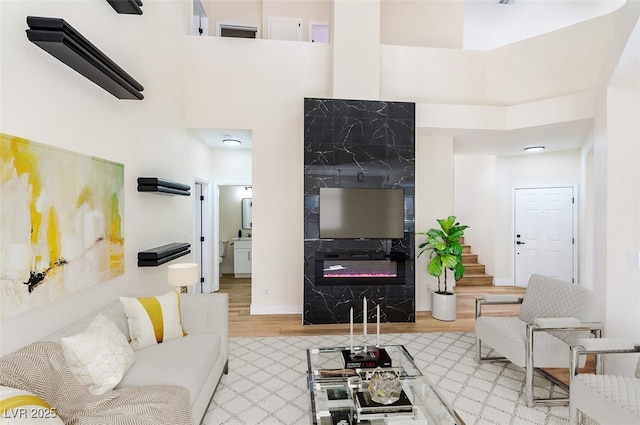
(434, 23)
(434, 199)
(45, 101)
(530, 70)
(616, 178)
(622, 313)
(356, 49)
(474, 201)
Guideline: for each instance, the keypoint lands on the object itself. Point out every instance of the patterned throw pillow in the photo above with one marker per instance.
(22, 407)
(99, 356)
(153, 320)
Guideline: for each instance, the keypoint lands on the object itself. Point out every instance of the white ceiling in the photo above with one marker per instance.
(488, 25)
(214, 136)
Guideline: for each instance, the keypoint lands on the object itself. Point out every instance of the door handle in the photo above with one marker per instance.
(519, 243)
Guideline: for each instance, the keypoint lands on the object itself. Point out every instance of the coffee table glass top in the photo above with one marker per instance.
(333, 390)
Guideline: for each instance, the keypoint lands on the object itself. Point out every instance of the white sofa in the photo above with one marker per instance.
(196, 361)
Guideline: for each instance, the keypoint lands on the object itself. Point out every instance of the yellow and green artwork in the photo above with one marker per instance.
(61, 223)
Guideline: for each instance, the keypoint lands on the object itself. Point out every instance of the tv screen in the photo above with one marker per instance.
(354, 213)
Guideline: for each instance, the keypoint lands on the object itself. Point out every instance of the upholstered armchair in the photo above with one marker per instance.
(554, 314)
(608, 399)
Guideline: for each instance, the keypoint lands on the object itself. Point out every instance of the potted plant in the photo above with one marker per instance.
(445, 253)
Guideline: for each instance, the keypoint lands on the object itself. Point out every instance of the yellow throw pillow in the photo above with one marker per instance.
(99, 356)
(22, 407)
(153, 320)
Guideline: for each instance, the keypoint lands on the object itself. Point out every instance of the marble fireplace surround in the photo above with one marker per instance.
(358, 144)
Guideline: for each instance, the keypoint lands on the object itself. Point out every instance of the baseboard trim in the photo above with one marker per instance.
(502, 282)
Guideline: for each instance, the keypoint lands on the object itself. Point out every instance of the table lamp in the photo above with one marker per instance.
(183, 275)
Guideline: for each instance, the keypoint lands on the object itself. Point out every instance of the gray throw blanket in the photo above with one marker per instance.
(41, 369)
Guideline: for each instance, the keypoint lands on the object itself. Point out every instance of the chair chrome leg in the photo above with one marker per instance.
(528, 370)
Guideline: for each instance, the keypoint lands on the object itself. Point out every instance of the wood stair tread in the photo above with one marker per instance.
(474, 271)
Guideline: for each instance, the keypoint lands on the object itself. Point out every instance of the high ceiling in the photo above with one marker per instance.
(488, 25)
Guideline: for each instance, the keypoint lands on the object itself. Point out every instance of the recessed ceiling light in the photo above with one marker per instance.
(231, 142)
(534, 148)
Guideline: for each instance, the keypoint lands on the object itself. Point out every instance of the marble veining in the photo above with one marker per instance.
(365, 144)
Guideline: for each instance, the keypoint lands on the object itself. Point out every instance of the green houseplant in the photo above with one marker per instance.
(445, 253)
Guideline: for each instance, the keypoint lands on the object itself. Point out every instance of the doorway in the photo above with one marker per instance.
(230, 222)
(544, 233)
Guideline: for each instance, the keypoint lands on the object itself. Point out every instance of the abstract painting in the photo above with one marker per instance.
(61, 223)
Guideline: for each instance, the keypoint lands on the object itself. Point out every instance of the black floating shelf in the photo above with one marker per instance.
(126, 7)
(61, 40)
(163, 254)
(162, 186)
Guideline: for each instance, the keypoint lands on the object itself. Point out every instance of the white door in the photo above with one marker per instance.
(198, 248)
(285, 28)
(202, 234)
(318, 32)
(544, 233)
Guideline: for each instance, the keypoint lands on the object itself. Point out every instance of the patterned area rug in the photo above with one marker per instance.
(267, 381)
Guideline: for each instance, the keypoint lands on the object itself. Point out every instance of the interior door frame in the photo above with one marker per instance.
(576, 237)
(207, 268)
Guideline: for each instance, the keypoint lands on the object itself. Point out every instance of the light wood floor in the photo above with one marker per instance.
(242, 324)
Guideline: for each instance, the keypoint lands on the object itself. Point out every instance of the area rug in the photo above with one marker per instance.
(267, 381)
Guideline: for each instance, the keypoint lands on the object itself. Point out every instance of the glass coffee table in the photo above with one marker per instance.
(336, 392)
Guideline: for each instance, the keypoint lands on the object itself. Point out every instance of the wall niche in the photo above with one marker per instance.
(358, 144)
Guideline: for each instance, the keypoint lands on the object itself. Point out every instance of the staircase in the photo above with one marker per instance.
(474, 272)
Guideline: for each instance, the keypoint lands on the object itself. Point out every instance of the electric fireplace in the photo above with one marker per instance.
(359, 268)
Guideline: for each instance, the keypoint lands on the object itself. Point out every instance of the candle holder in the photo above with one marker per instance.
(365, 356)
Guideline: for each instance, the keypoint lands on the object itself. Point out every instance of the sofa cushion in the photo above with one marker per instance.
(153, 320)
(186, 362)
(99, 356)
(22, 407)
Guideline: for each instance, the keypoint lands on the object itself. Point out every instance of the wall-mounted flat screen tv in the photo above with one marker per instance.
(359, 213)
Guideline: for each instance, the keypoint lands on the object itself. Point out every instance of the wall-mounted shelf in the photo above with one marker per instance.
(61, 40)
(162, 186)
(163, 254)
(127, 7)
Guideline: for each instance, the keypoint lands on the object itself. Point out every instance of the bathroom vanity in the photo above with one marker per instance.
(242, 257)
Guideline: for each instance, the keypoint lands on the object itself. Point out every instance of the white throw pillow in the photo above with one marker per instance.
(22, 407)
(99, 356)
(153, 320)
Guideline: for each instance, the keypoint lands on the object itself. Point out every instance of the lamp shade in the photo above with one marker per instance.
(183, 274)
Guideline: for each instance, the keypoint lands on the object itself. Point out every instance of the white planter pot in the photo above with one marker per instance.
(443, 307)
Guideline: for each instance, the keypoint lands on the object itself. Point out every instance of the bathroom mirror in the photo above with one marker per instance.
(246, 213)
